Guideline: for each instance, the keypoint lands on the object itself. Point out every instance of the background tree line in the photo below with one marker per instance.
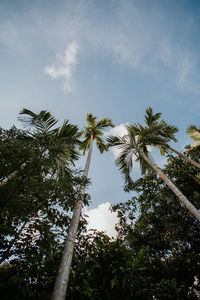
(156, 253)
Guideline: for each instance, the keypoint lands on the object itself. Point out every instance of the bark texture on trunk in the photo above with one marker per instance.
(3, 182)
(174, 189)
(194, 163)
(60, 287)
(196, 179)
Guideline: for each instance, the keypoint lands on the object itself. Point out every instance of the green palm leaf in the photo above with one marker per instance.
(194, 133)
(43, 121)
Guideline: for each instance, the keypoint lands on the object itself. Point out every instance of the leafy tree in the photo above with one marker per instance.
(155, 256)
(93, 131)
(49, 150)
(56, 144)
(35, 210)
(168, 235)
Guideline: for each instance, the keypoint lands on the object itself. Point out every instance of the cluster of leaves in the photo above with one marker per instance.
(36, 208)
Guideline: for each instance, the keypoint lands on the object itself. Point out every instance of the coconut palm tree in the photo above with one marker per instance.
(135, 143)
(194, 134)
(58, 144)
(161, 128)
(92, 132)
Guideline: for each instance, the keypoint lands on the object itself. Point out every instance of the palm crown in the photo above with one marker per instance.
(57, 143)
(159, 128)
(135, 143)
(194, 133)
(139, 139)
(94, 131)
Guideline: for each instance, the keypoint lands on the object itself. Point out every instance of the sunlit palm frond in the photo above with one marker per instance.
(91, 120)
(101, 145)
(103, 123)
(194, 133)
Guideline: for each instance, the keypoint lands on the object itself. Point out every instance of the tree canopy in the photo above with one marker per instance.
(155, 255)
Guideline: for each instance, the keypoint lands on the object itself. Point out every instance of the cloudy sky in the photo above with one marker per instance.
(111, 58)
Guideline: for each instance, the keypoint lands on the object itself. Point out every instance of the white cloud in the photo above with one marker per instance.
(65, 66)
(102, 219)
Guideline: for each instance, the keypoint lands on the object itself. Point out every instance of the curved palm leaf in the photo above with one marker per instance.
(42, 122)
(194, 134)
(131, 145)
(58, 144)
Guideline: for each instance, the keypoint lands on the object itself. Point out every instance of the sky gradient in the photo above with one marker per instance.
(111, 58)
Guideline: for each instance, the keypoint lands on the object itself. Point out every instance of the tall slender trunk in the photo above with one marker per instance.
(196, 179)
(174, 189)
(194, 163)
(5, 180)
(60, 287)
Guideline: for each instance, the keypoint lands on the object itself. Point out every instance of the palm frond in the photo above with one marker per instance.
(151, 118)
(103, 123)
(68, 132)
(159, 127)
(194, 133)
(84, 145)
(101, 145)
(42, 122)
(91, 120)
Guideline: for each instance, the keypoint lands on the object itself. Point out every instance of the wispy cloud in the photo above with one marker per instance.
(65, 66)
(132, 34)
(102, 219)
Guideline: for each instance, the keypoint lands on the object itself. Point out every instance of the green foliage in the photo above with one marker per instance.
(156, 253)
(167, 233)
(36, 207)
(133, 145)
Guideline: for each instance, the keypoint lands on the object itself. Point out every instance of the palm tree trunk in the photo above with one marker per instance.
(174, 189)
(60, 287)
(3, 182)
(194, 163)
(196, 179)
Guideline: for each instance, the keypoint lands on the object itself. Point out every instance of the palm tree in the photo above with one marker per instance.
(55, 144)
(136, 143)
(58, 144)
(93, 131)
(161, 128)
(194, 133)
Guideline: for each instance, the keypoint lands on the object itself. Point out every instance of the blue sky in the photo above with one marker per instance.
(111, 58)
